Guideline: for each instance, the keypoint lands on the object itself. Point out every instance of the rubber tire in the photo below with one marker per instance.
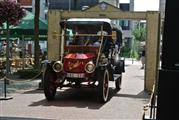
(119, 67)
(103, 86)
(118, 82)
(49, 87)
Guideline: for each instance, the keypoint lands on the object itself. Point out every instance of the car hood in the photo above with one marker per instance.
(75, 62)
(80, 56)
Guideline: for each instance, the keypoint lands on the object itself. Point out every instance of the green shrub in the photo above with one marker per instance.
(134, 54)
(125, 52)
(28, 73)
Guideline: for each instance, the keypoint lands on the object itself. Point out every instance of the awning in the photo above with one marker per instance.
(26, 37)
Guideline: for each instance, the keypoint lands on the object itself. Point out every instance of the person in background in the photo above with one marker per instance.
(143, 58)
(44, 56)
(3, 50)
(4, 47)
(15, 51)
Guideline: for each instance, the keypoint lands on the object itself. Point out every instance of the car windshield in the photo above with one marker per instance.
(79, 36)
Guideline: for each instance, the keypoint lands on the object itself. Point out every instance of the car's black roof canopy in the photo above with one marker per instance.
(94, 23)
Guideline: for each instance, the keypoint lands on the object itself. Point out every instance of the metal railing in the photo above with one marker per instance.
(151, 107)
(7, 79)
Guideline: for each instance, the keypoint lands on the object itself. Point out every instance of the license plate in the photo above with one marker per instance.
(75, 75)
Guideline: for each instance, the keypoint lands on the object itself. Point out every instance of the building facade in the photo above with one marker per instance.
(162, 12)
(43, 8)
(112, 2)
(127, 25)
(71, 4)
(162, 8)
(27, 4)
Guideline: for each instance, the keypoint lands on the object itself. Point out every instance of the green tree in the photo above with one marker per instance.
(10, 13)
(134, 52)
(139, 33)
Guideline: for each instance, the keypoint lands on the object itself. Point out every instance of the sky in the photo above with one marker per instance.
(144, 5)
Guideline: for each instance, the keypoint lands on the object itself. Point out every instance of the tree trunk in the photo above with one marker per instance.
(36, 34)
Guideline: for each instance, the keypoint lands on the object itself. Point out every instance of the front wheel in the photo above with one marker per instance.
(49, 86)
(103, 87)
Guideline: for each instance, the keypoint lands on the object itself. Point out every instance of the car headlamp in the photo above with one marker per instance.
(90, 67)
(57, 66)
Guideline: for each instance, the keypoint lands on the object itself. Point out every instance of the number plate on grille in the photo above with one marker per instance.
(75, 75)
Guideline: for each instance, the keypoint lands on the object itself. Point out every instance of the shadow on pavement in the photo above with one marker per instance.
(34, 91)
(21, 118)
(141, 95)
(80, 98)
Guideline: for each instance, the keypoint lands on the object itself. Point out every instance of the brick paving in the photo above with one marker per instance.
(28, 103)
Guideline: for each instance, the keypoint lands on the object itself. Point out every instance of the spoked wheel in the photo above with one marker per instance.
(49, 86)
(103, 87)
(118, 82)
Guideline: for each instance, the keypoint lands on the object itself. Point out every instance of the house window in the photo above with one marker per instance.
(46, 16)
(124, 6)
(125, 24)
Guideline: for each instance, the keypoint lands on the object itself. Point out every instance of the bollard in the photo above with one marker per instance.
(5, 91)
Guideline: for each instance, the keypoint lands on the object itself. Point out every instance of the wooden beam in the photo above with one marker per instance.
(98, 14)
(53, 35)
(152, 50)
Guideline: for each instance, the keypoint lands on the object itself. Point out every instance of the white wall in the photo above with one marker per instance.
(162, 7)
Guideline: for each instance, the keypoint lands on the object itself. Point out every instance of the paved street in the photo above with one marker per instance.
(78, 104)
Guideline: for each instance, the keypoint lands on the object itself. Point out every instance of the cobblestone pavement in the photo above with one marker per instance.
(28, 103)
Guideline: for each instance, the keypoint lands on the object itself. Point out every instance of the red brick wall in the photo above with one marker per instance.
(25, 2)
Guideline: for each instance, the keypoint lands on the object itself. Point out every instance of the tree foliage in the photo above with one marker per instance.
(10, 12)
(139, 33)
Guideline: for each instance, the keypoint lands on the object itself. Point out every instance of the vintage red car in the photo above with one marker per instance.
(90, 58)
